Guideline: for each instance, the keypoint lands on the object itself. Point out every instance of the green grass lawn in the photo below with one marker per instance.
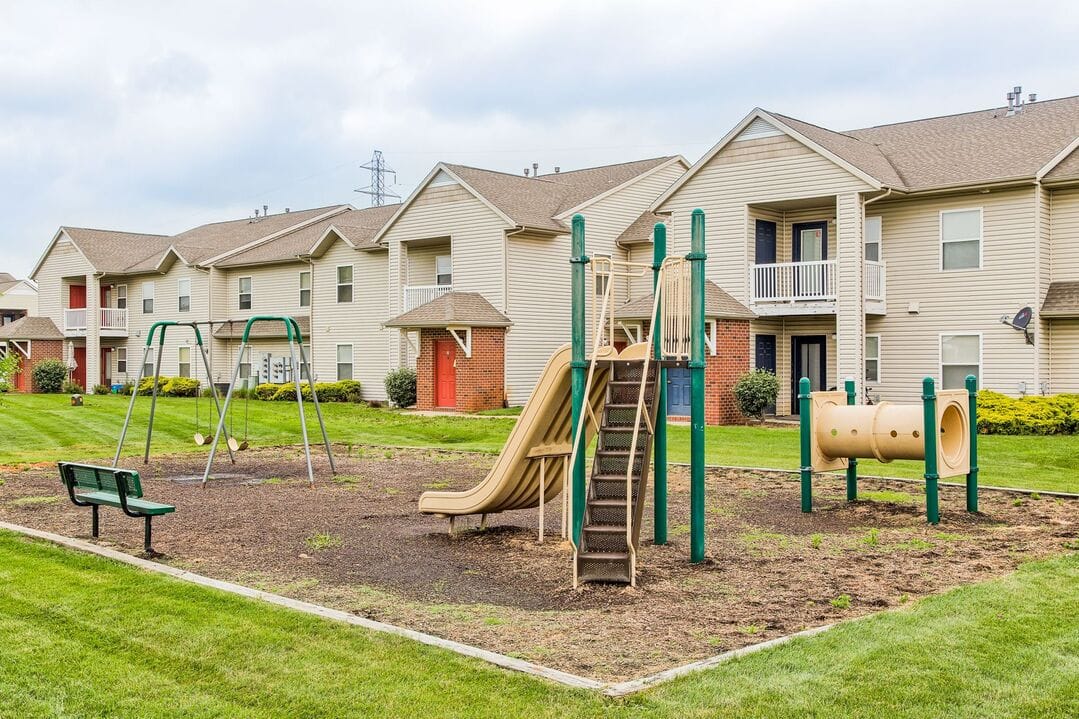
(86, 637)
(45, 428)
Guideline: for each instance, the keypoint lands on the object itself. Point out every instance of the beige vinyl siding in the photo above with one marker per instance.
(358, 323)
(1064, 357)
(962, 301)
(1064, 232)
(752, 171)
(1044, 262)
(64, 260)
(275, 289)
(421, 263)
(20, 297)
(640, 286)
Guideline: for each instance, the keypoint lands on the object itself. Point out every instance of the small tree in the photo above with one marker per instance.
(49, 376)
(9, 367)
(756, 391)
(401, 387)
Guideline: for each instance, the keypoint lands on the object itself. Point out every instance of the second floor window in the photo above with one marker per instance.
(872, 239)
(148, 298)
(961, 239)
(872, 358)
(305, 289)
(344, 283)
(183, 368)
(245, 293)
(443, 270)
(121, 297)
(183, 292)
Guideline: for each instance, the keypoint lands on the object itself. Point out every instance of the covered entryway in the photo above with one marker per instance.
(32, 339)
(445, 374)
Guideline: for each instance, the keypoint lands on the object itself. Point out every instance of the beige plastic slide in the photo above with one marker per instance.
(542, 428)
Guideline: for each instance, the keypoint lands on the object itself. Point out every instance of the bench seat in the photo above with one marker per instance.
(141, 506)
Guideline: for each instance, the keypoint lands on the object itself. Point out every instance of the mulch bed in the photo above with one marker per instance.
(357, 543)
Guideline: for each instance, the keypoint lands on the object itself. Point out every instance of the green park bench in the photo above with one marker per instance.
(90, 486)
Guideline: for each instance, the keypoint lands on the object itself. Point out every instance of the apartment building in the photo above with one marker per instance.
(18, 298)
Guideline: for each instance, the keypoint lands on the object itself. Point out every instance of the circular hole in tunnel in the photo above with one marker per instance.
(951, 434)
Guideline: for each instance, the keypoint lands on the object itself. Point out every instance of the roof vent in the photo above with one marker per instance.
(557, 169)
(527, 171)
(265, 210)
(1015, 100)
(1032, 97)
(287, 210)
(256, 213)
(535, 169)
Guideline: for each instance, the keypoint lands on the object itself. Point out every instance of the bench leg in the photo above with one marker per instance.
(94, 523)
(147, 547)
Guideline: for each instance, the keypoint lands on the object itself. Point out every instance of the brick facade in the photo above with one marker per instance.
(480, 381)
(39, 350)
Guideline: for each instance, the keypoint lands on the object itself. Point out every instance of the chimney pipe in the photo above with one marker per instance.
(256, 213)
(526, 172)
(535, 169)
(265, 210)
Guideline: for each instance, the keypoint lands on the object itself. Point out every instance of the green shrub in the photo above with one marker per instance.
(181, 387)
(343, 391)
(266, 391)
(49, 376)
(401, 387)
(1054, 414)
(127, 388)
(146, 385)
(73, 388)
(102, 389)
(756, 391)
(350, 388)
(10, 365)
(285, 392)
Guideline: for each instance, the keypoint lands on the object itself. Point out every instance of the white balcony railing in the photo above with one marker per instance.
(415, 295)
(109, 320)
(794, 281)
(874, 280)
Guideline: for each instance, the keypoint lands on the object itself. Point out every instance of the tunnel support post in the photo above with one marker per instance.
(852, 462)
(805, 423)
(929, 435)
(972, 474)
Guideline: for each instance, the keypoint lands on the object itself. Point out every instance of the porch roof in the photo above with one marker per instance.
(717, 305)
(31, 328)
(465, 309)
(234, 329)
(1062, 300)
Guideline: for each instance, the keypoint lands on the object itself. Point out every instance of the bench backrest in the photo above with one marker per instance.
(89, 478)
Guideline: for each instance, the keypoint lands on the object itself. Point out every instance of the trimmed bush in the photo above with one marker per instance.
(73, 388)
(1053, 414)
(755, 391)
(266, 391)
(181, 387)
(146, 385)
(102, 389)
(127, 388)
(343, 391)
(350, 388)
(49, 376)
(401, 387)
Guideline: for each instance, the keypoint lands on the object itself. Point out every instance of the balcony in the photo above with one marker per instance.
(415, 295)
(806, 288)
(111, 322)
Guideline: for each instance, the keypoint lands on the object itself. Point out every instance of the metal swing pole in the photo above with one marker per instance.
(299, 401)
(314, 398)
(153, 399)
(224, 410)
(131, 405)
(213, 392)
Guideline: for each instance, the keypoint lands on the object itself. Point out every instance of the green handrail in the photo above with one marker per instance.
(165, 324)
(289, 322)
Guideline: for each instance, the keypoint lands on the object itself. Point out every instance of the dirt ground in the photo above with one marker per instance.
(357, 543)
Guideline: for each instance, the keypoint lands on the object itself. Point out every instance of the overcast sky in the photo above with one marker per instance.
(156, 117)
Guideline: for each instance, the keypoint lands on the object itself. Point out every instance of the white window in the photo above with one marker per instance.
(344, 362)
(121, 359)
(183, 368)
(961, 239)
(960, 355)
(245, 364)
(148, 298)
(305, 366)
(872, 358)
(872, 238)
(602, 280)
(305, 288)
(443, 270)
(344, 283)
(148, 369)
(183, 292)
(121, 297)
(245, 293)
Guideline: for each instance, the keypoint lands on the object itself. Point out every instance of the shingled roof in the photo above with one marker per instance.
(468, 309)
(234, 329)
(113, 251)
(1062, 300)
(642, 229)
(31, 328)
(717, 305)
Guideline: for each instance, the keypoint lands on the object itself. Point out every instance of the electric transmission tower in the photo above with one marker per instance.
(377, 189)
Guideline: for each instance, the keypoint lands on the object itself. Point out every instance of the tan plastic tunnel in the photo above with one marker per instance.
(513, 483)
(886, 431)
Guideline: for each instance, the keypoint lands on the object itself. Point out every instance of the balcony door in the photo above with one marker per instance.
(76, 297)
(809, 243)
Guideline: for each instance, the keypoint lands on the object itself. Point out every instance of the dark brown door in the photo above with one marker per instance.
(809, 358)
(445, 373)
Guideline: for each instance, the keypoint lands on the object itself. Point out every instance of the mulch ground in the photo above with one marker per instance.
(357, 543)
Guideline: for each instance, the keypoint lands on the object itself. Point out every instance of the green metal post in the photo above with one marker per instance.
(972, 475)
(805, 424)
(929, 405)
(696, 258)
(852, 463)
(578, 366)
(659, 530)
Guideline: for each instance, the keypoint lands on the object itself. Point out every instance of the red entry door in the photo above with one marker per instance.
(22, 377)
(80, 369)
(445, 373)
(76, 297)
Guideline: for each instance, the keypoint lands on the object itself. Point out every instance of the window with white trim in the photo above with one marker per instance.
(183, 361)
(872, 238)
(961, 239)
(183, 294)
(148, 369)
(147, 298)
(344, 283)
(305, 367)
(305, 288)
(121, 297)
(872, 358)
(244, 287)
(344, 362)
(960, 355)
(443, 270)
(121, 360)
(245, 364)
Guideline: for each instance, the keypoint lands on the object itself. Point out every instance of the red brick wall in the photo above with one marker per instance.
(721, 372)
(39, 350)
(481, 380)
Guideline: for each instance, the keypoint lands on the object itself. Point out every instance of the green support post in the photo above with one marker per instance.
(659, 530)
(852, 462)
(972, 475)
(805, 424)
(696, 258)
(578, 366)
(929, 406)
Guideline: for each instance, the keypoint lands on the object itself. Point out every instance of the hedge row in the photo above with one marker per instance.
(1054, 414)
(346, 390)
(170, 386)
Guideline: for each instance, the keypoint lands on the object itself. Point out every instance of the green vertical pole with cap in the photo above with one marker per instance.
(578, 365)
(696, 258)
(659, 525)
(929, 432)
(852, 463)
(805, 425)
(972, 474)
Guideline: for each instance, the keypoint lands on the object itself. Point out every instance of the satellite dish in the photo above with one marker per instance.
(1021, 321)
